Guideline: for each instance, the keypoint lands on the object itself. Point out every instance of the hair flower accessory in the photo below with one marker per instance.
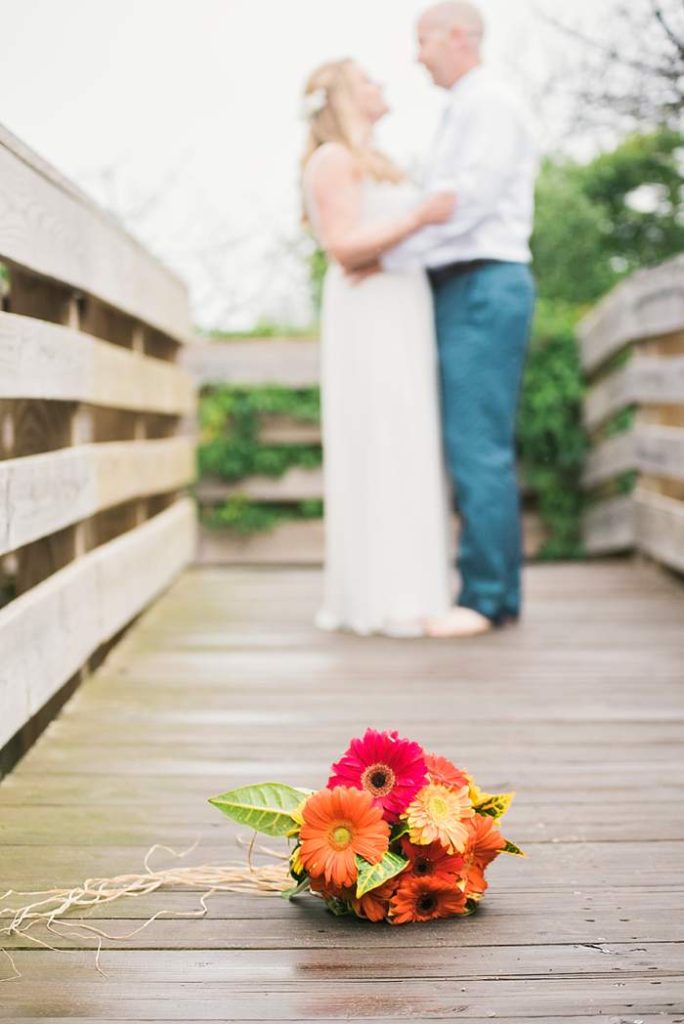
(397, 834)
(315, 101)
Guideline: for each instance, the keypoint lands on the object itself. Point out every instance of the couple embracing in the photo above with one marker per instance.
(427, 306)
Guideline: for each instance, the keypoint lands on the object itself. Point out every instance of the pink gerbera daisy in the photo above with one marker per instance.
(391, 769)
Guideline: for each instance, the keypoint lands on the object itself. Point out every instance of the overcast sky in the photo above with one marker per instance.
(185, 117)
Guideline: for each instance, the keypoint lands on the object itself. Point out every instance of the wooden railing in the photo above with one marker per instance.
(286, 362)
(633, 353)
(92, 411)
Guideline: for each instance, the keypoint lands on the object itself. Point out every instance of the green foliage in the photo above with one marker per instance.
(265, 807)
(597, 222)
(244, 516)
(370, 876)
(551, 439)
(230, 419)
(318, 264)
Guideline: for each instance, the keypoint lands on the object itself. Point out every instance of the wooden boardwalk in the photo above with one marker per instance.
(224, 681)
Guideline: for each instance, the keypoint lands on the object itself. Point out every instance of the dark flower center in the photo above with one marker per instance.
(378, 779)
(426, 903)
(422, 866)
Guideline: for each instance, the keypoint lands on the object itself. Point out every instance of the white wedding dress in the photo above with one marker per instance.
(386, 505)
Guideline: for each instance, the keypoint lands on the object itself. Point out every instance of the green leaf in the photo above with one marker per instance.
(512, 848)
(400, 829)
(287, 894)
(494, 805)
(265, 807)
(372, 875)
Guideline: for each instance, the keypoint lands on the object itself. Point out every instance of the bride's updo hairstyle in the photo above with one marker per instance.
(333, 117)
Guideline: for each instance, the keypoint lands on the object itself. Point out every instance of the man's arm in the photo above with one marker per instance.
(476, 164)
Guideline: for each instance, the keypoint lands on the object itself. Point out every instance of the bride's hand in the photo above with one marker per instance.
(437, 208)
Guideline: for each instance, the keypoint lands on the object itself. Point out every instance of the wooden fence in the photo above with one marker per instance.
(93, 523)
(633, 353)
(286, 362)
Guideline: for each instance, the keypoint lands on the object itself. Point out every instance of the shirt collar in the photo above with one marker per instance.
(466, 82)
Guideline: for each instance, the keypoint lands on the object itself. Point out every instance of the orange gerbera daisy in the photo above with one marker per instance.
(424, 899)
(330, 891)
(338, 824)
(438, 813)
(485, 842)
(374, 905)
(443, 772)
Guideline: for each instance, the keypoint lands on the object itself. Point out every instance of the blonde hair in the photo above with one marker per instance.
(333, 117)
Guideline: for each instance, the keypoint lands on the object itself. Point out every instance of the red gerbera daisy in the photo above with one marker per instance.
(444, 773)
(391, 769)
(424, 899)
(433, 859)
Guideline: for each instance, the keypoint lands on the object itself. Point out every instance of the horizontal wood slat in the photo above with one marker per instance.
(50, 228)
(660, 527)
(294, 485)
(288, 362)
(609, 526)
(49, 632)
(46, 361)
(41, 494)
(656, 450)
(659, 451)
(646, 380)
(648, 304)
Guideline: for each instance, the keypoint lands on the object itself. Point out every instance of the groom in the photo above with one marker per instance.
(478, 264)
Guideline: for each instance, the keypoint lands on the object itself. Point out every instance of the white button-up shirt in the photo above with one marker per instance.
(485, 151)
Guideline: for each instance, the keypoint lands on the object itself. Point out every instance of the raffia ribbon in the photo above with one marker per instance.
(50, 906)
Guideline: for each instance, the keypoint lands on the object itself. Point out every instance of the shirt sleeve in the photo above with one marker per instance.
(475, 162)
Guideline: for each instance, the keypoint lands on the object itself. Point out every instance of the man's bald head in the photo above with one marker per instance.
(449, 38)
(455, 14)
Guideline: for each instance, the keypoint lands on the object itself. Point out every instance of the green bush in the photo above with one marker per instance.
(551, 439)
(231, 449)
(230, 418)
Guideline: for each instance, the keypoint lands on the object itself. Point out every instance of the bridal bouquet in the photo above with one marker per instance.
(396, 835)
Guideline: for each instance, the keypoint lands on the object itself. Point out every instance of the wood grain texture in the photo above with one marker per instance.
(224, 681)
(50, 228)
(287, 362)
(609, 526)
(660, 528)
(40, 360)
(47, 633)
(645, 380)
(42, 494)
(649, 303)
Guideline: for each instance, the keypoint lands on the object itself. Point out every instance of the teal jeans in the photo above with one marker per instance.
(483, 314)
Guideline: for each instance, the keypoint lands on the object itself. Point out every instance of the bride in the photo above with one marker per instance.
(386, 505)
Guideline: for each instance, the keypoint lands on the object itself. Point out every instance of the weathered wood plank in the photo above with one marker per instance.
(654, 449)
(42, 494)
(47, 633)
(647, 304)
(49, 227)
(659, 451)
(225, 681)
(289, 362)
(41, 360)
(645, 380)
(609, 526)
(296, 484)
(610, 458)
(433, 998)
(660, 528)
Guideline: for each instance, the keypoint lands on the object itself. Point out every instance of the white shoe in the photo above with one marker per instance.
(458, 622)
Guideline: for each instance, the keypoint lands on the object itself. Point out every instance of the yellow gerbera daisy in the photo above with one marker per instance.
(437, 814)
